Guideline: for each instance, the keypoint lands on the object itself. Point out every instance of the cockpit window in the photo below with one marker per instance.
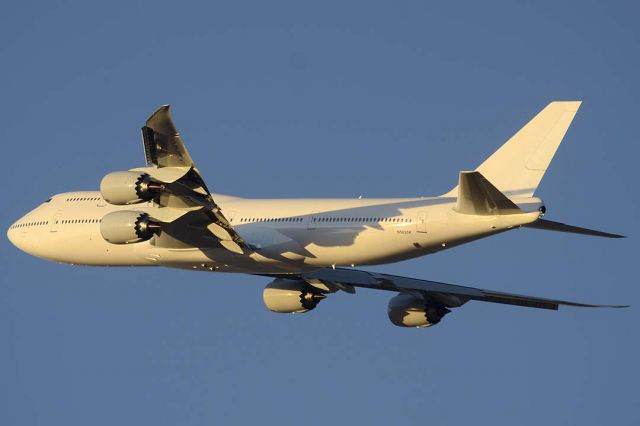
(48, 200)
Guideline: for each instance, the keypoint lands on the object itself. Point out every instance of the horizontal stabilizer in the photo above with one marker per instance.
(476, 195)
(561, 227)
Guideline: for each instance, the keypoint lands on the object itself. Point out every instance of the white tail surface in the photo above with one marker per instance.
(477, 196)
(516, 169)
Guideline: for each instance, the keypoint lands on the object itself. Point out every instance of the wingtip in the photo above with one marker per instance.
(568, 105)
(610, 235)
(587, 305)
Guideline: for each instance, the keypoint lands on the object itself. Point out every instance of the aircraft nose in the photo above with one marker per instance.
(17, 233)
(13, 234)
(10, 234)
(14, 237)
(30, 231)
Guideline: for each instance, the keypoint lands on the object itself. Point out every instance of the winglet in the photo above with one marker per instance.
(162, 143)
(476, 195)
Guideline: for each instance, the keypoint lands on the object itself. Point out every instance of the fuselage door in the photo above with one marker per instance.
(53, 226)
(421, 222)
(232, 217)
(311, 222)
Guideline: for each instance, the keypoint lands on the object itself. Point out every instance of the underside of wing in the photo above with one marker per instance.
(450, 295)
(419, 303)
(423, 303)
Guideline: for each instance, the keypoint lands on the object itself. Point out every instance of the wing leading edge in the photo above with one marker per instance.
(448, 295)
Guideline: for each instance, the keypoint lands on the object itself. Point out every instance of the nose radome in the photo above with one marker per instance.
(14, 237)
(10, 235)
(17, 236)
(13, 234)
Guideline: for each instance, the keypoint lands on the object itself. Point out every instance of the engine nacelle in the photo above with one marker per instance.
(290, 296)
(406, 310)
(126, 227)
(123, 188)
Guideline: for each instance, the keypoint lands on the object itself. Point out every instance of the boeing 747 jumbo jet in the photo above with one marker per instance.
(163, 214)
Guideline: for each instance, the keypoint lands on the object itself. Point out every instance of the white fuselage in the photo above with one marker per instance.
(288, 235)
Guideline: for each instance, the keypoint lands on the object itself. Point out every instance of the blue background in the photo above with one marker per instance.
(295, 99)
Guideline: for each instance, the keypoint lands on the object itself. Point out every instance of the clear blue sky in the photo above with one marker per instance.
(334, 99)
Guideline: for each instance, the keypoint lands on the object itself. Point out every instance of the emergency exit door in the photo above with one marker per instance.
(421, 222)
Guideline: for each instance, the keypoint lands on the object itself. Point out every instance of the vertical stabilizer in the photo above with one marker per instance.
(518, 166)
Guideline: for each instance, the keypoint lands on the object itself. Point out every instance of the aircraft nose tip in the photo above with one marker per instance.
(10, 234)
(14, 235)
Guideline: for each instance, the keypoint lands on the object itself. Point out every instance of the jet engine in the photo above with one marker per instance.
(123, 188)
(291, 296)
(126, 227)
(406, 310)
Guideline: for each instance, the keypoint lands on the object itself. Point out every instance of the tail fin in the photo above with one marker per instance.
(518, 166)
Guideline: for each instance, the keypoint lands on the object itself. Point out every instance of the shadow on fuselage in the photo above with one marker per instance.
(285, 237)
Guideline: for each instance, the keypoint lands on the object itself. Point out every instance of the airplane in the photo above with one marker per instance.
(163, 214)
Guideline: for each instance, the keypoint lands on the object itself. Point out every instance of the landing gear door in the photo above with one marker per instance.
(421, 222)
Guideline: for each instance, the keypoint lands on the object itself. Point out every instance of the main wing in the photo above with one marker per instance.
(165, 151)
(442, 294)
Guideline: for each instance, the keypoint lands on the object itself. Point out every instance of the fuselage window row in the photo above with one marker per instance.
(67, 221)
(322, 219)
(28, 224)
(46, 222)
(280, 219)
(84, 199)
(329, 219)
